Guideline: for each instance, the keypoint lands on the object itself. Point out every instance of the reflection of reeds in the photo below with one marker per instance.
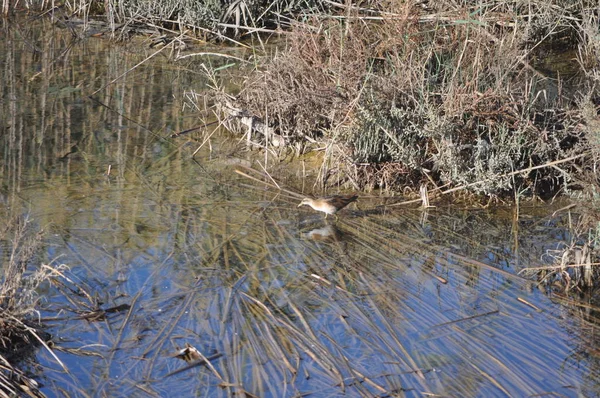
(266, 322)
(382, 305)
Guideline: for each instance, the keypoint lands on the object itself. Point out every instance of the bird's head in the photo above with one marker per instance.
(305, 201)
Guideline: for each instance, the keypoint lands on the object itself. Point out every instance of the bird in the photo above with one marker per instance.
(329, 204)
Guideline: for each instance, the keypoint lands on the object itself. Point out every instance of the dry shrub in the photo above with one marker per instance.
(450, 96)
(390, 174)
(309, 86)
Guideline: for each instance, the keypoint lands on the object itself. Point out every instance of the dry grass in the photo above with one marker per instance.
(20, 333)
(166, 19)
(448, 95)
(21, 330)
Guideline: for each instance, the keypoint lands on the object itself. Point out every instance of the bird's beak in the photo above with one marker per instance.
(301, 204)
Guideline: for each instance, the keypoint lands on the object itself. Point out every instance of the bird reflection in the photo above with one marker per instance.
(328, 233)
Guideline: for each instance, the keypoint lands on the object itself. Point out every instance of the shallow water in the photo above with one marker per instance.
(181, 250)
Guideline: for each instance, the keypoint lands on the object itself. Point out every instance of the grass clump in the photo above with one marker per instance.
(20, 332)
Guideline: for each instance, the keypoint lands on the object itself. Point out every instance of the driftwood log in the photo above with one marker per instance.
(255, 129)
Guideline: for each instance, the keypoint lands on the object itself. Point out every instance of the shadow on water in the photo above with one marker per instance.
(168, 252)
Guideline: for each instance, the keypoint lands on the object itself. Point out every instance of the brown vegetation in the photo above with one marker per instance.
(447, 96)
(19, 334)
(21, 330)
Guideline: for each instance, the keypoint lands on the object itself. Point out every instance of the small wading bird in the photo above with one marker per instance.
(329, 204)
